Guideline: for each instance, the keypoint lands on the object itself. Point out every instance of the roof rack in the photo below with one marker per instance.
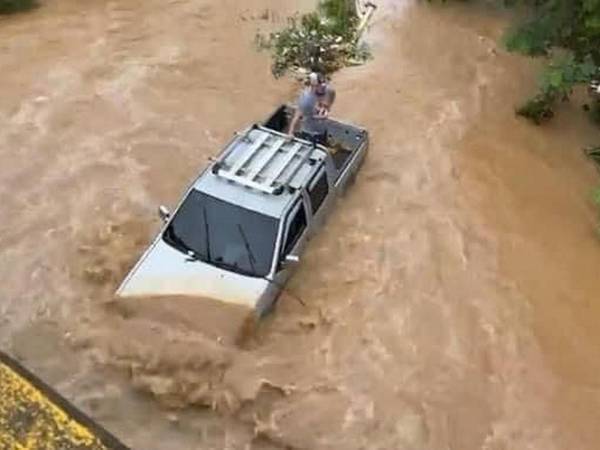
(263, 159)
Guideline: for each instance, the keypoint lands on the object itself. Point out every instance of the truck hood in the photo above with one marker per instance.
(164, 271)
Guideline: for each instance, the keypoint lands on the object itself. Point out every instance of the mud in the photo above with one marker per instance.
(450, 301)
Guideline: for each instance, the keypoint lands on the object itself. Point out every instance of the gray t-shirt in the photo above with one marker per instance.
(307, 104)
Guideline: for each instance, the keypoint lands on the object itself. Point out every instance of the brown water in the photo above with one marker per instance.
(450, 301)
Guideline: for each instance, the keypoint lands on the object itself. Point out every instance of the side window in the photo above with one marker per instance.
(318, 192)
(296, 227)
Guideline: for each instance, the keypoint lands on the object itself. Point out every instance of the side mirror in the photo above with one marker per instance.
(163, 213)
(291, 260)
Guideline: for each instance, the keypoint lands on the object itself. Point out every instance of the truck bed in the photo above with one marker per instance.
(343, 139)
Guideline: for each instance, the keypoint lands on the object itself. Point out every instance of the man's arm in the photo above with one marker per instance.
(328, 103)
(294, 122)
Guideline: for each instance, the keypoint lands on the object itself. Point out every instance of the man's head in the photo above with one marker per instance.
(317, 83)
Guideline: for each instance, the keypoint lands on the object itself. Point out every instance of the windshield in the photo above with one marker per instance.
(223, 234)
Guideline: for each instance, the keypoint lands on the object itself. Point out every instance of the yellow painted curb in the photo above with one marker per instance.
(34, 417)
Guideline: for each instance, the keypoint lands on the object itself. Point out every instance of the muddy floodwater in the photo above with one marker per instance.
(452, 301)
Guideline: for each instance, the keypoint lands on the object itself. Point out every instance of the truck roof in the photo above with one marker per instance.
(262, 170)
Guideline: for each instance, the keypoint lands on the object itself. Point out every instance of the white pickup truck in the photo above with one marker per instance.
(242, 225)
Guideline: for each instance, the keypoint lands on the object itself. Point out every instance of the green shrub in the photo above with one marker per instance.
(594, 154)
(556, 84)
(570, 25)
(341, 15)
(538, 109)
(323, 41)
(13, 6)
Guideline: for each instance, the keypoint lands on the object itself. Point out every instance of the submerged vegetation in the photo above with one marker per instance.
(567, 33)
(13, 6)
(556, 85)
(570, 25)
(324, 40)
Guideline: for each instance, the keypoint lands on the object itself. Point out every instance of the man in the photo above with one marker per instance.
(313, 108)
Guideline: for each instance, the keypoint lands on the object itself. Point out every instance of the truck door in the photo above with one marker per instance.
(294, 238)
(295, 231)
(319, 197)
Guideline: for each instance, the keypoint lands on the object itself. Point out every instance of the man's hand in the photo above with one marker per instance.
(322, 112)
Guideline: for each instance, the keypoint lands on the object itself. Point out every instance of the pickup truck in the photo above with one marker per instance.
(240, 229)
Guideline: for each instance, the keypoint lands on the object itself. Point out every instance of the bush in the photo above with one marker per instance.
(13, 6)
(571, 25)
(538, 109)
(323, 41)
(557, 83)
(341, 15)
(596, 196)
(594, 154)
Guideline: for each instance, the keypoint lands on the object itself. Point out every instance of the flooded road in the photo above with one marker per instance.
(450, 300)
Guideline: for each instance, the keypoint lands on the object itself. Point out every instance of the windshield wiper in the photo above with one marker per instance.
(218, 262)
(248, 249)
(177, 241)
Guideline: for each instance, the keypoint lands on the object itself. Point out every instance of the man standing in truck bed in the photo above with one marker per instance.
(313, 108)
